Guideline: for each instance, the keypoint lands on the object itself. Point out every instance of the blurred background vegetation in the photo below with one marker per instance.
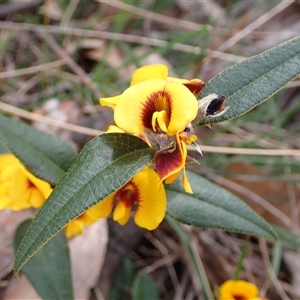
(58, 57)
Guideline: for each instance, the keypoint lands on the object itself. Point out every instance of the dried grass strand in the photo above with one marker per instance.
(34, 69)
(128, 38)
(257, 23)
(38, 118)
(153, 16)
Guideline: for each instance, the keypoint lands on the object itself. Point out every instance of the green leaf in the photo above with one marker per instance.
(195, 259)
(104, 165)
(144, 287)
(288, 238)
(45, 155)
(122, 281)
(213, 207)
(253, 81)
(49, 271)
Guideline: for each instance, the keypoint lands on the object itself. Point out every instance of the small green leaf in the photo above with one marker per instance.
(122, 281)
(104, 165)
(213, 207)
(144, 287)
(253, 81)
(45, 155)
(49, 271)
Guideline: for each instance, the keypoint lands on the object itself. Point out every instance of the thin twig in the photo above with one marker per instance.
(272, 276)
(257, 23)
(18, 7)
(128, 38)
(249, 151)
(32, 70)
(93, 132)
(150, 15)
(60, 52)
(68, 13)
(38, 118)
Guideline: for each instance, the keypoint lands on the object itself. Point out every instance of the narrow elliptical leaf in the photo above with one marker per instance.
(213, 207)
(253, 81)
(104, 165)
(45, 155)
(49, 271)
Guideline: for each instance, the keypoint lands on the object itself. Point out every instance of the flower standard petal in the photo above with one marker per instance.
(110, 101)
(238, 289)
(152, 199)
(149, 72)
(134, 112)
(7, 159)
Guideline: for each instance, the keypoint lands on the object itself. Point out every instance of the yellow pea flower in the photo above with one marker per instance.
(20, 189)
(157, 71)
(238, 290)
(144, 193)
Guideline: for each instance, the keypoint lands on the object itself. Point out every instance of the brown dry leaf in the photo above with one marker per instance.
(20, 289)
(272, 190)
(9, 221)
(87, 253)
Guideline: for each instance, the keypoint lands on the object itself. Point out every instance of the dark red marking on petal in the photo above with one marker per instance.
(168, 163)
(195, 86)
(156, 101)
(129, 194)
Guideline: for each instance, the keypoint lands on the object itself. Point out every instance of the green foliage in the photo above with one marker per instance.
(144, 287)
(214, 207)
(49, 271)
(45, 155)
(104, 165)
(253, 81)
(122, 281)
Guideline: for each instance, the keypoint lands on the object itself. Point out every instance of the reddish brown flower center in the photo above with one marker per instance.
(157, 101)
(239, 297)
(129, 194)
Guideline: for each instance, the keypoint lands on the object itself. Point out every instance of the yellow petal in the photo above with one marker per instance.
(185, 183)
(19, 186)
(8, 173)
(7, 159)
(73, 228)
(5, 202)
(138, 103)
(103, 208)
(43, 186)
(152, 201)
(172, 178)
(160, 119)
(114, 128)
(232, 289)
(149, 72)
(110, 101)
(34, 197)
(121, 213)
(88, 218)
